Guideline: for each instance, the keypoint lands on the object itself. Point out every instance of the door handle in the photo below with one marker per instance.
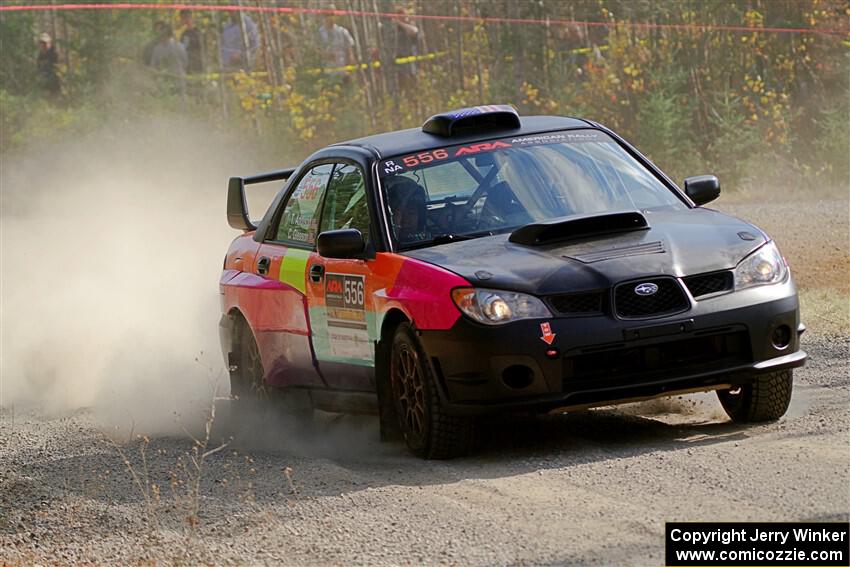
(317, 271)
(263, 265)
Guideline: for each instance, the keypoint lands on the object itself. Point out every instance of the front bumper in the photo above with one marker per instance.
(720, 342)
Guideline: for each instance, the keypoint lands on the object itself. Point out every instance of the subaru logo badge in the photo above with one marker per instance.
(646, 289)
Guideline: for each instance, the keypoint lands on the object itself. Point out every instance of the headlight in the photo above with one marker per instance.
(494, 307)
(764, 266)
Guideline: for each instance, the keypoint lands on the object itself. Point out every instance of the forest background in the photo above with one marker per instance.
(744, 89)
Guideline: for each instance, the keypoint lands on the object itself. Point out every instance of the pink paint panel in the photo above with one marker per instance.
(226, 276)
(267, 304)
(425, 292)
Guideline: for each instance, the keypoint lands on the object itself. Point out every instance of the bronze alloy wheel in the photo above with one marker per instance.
(409, 390)
(254, 369)
(428, 430)
(247, 381)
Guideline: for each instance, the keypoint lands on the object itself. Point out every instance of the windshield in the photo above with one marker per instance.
(485, 188)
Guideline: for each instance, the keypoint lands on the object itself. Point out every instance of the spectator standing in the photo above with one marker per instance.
(192, 43)
(46, 63)
(169, 58)
(336, 41)
(233, 53)
(148, 50)
(400, 39)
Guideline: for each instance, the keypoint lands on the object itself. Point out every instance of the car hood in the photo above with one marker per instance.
(677, 243)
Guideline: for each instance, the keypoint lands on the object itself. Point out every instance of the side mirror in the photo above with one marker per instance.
(702, 189)
(343, 243)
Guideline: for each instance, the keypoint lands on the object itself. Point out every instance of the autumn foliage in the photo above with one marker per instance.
(699, 86)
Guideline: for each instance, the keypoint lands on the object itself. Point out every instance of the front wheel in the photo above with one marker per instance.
(765, 399)
(429, 432)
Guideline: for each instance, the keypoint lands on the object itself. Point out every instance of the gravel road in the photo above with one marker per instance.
(586, 488)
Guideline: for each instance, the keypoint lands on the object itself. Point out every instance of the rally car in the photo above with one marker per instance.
(492, 263)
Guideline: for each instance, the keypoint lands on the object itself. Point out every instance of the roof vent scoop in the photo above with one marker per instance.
(474, 119)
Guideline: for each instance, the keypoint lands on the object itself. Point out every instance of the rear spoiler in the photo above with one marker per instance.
(237, 204)
(545, 232)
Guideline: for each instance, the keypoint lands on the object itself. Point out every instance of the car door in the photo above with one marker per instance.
(280, 320)
(342, 314)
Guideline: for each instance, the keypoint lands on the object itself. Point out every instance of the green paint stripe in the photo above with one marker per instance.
(293, 269)
(321, 340)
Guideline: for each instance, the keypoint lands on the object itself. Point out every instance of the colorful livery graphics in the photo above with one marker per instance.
(396, 165)
(489, 264)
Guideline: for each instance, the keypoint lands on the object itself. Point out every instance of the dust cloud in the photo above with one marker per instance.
(112, 246)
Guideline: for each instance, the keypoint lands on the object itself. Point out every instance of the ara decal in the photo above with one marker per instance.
(482, 147)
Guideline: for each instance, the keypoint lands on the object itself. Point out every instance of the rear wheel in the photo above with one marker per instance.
(765, 399)
(248, 385)
(247, 379)
(428, 431)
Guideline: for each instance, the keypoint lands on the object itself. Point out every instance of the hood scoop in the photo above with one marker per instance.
(656, 247)
(575, 227)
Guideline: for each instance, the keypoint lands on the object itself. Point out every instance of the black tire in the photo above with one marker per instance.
(429, 432)
(248, 387)
(247, 378)
(765, 399)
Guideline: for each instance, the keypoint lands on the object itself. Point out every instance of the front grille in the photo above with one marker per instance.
(668, 299)
(706, 284)
(691, 355)
(577, 303)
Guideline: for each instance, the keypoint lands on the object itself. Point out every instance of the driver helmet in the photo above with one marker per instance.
(408, 208)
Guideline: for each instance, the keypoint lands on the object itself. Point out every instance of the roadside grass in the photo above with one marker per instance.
(173, 495)
(825, 311)
(793, 189)
(184, 479)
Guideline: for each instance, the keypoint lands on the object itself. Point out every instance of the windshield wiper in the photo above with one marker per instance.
(446, 238)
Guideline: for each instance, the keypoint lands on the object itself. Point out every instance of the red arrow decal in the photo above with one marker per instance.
(548, 336)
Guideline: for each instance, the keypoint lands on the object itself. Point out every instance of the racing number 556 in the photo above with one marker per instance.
(424, 157)
(353, 292)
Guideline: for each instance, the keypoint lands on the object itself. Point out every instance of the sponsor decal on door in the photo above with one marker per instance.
(348, 332)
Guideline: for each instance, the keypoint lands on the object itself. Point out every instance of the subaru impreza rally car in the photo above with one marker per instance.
(488, 263)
